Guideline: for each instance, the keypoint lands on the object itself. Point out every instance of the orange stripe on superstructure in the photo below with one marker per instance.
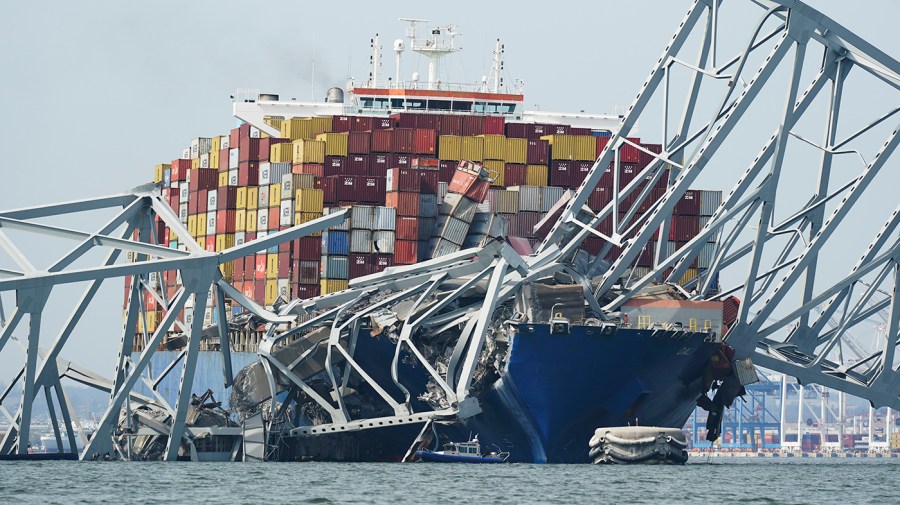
(438, 93)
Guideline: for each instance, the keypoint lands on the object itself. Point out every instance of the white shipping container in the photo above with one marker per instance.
(278, 170)
(264, 178)
(210, 223)
(503, 201)
(234, 158)
(284, 289)
(225, 142)
(454, 230)
(254, 132)
(239, 238)
(263, 197)
(459, 206)
(204, 160)
(183, 213)
(529, 198)
(345, 224)
(361, 217)
(709, 202)
(385, 218)
(186, 153)
(287, 213)
(262, 221)
(383, 242)
(211, 198)
(200, 146)
(549, 196)
(443, 190)
(441, 247)
(287, 186)
(233, 177)
(704, 260)
(360, 241)
(184, 193)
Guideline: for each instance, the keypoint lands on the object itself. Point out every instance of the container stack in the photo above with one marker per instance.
(467, 189)
(413, 182)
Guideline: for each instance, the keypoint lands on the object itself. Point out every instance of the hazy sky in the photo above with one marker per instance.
(96, 93)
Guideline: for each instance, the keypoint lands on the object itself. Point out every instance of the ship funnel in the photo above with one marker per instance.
(335, 95)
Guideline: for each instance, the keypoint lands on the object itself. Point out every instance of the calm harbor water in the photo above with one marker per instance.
(698, 482)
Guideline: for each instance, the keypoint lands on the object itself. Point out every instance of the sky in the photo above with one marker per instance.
(96, 93)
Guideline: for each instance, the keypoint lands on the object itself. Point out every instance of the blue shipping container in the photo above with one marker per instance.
(335, 242)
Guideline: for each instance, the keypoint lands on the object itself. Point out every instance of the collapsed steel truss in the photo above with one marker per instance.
(797, 342)
(789, 334)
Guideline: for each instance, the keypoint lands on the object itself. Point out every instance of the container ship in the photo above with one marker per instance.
(429, 170)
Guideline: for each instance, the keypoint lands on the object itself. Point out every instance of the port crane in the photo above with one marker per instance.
(779, 231)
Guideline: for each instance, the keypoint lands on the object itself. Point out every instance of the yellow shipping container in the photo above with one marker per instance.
(227, 270)
(304, 128)
(308, 151)
(274, 121)
(309, 200)
(224, 241)
(252, 200)
(516, 151)
(195, 163)
(192, 225)
(472, 149)
(214, 159)
(449, 147)
(251, 220)
(201, 224)
(495, 170)
(689, 275)
(305, 217)
(281, 153)
(215, 143)
(536, 175)
(572, 147)
(271, 267)
(494, 147)
(159, 172)
(241, 198)
(271, 291)
(240, 220)
(223, 179)
(333, 285)
(275, 195)
(335, 143)
(152, 321)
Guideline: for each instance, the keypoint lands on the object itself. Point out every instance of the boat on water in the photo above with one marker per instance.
(461, 452)
(358, 384)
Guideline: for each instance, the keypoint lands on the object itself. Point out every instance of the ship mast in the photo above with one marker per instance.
(435, 48)
(497, 67)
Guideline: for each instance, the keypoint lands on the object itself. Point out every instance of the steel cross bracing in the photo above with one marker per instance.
(131, 229)
(814, 191)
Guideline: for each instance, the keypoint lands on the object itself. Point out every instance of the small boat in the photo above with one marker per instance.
(461, 452)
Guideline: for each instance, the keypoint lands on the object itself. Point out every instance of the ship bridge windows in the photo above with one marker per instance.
(493, 108)
(374, 103)
(462, 106)
(438, 104)
(408, 103)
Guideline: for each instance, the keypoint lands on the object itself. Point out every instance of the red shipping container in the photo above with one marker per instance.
(494, 125)
(402, 179)
(403, 140)
(243, 132)
(472, 125)
(406, 252)
(428, 180)
(629, 153)
(627, 173)
(558, 129)
(179, 170)
(193, 200)
(359, 265)
(580, 171)
(378, 164)
(382, 123)
(316, 169)
(407, 204)
(306, 291)
(451, 125)
(226, 197)
(371, 189)
(340, 188)
(248, 290)
(514, 174)
(308, 248)
(647, 159)
(592, 245)
(689, 204)
(382, 141)
(234, 137)
(601, 144)
(203, 178)
(202, 200)
(284, 265)
(429, 121)
(579, 131)
(561, 174)
(425, 141)
(340, 124)
(238, 270)
(470, 185)
(284, 247)
(274, 218)
(357, 164)
(538, 152)
(263, 147)
(335, 165)
(599, 198)
(381, 261)
(361, 123)
(358, 142)
(249, 149)
(259, 290)
(407, 228)
(260, 270)
(223, 160)
(424, 163)
(225, 221)
(248, 173)
(211, 243)
(405, 119)
(446, 169)
(525, 223)
(399, 160)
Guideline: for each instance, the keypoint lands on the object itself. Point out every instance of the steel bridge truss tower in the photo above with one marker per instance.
(806, 233)
(132, 229)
